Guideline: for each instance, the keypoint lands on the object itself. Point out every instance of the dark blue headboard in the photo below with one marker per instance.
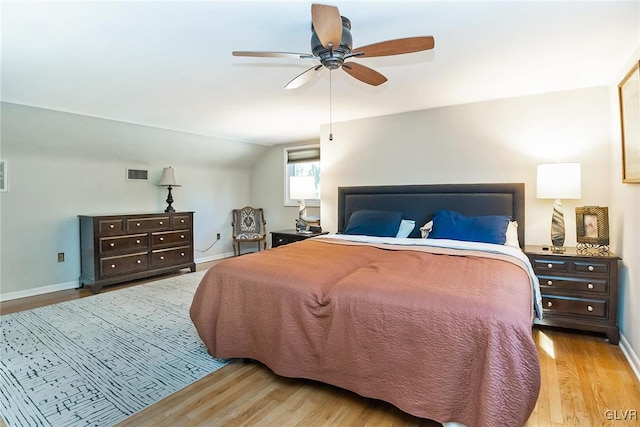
(421, 202)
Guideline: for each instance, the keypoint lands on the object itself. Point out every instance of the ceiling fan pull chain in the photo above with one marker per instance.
(330, 106)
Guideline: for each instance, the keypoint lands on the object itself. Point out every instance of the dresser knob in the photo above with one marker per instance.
(549, 265)
(549, 304)
(138, 224)
(139, 262)
(590, 286)
(161, 222)
(589, 308)
(181, 253)
(161, 239)
(182, 236)
(182, 221)
(112, 244)
(112, 226)
(113, 266)
(161, 258)
(138, 241)
(549, 282)
(591, 268)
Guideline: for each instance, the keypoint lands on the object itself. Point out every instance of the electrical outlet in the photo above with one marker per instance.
(60, 256)
(218, 236)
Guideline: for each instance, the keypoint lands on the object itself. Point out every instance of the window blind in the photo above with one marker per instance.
(311, 154)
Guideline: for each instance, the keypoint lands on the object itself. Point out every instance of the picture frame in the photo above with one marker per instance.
(592, 225)
(629, 98)
(3, 175)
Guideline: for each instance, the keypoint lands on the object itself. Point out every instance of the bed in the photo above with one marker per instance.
(440, 328)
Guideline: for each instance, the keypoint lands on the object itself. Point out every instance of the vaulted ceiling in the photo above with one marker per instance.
(169, 64)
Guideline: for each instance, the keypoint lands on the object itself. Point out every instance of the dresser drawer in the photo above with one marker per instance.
(574, 284)
(591, 267)
(160, 239)
(109, 227)
(115, 266)
(582, 307)
(118, 245)
(166, 257)
(181, 221)
(148, 224)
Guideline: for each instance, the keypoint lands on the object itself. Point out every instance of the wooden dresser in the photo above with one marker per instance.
(118, 248)
(578, 291)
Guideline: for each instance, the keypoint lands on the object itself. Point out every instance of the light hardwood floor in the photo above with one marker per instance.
(585, 382)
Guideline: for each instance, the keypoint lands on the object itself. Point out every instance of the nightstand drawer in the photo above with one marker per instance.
(573, 284)
(544, 266)
(582, 307)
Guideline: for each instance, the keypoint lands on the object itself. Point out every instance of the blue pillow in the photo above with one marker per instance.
(374, 223)
(455, 226)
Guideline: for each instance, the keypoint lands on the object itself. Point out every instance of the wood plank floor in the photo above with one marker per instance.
(585, 382)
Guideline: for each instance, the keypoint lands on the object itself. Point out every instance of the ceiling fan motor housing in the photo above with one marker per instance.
(333, 58)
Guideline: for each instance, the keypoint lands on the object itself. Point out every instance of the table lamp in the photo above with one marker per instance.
(168, 180)
(558, 181)
(301, 188)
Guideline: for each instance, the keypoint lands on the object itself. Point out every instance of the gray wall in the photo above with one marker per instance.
(61, 165)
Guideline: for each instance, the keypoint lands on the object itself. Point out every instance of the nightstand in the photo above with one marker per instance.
(284, 237)
(578, 291)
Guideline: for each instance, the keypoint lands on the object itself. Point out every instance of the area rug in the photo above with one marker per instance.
(97, 360)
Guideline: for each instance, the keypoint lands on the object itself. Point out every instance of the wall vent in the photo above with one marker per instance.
(137, 174)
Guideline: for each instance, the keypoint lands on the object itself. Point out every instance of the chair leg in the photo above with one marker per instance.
(234, 248)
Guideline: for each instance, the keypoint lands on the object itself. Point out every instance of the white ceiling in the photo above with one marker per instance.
(169, 64)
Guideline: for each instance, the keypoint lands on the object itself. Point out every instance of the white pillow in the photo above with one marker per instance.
(512, 235)
(426, 229)
(406, 227)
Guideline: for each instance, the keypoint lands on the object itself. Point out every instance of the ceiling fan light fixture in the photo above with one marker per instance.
(333, 57)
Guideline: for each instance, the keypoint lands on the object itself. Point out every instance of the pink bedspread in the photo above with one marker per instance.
(441, 336)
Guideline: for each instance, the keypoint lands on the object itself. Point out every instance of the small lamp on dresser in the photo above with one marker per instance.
(558, 181)
(168, 180)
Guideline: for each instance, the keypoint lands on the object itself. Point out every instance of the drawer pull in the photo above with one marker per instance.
(549, 282)
(113, 266)
(161, 239)
(182, 236)
(590, 286)
(139, 262)
(280, 240)
(161, 258)
(549, 304)
(589, 308)
(549, 265)
(181, 253)
(182, 221)
(138, 224)
(161, 222)
(138, 241)
(590, 268)
(112, 244)
(112, 226)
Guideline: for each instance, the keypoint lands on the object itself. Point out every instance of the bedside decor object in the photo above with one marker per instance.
(629, 98)
(558, 181)
(168, 180)
(592, 230)
(301, 188)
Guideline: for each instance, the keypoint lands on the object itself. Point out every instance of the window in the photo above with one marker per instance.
(302, 161)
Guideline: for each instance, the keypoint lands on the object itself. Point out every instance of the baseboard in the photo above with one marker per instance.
(39, 291)
(631, 356)
(213, 257)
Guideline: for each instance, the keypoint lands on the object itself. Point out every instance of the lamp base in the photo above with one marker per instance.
(558, 249)
(169, 201)
(557, 228)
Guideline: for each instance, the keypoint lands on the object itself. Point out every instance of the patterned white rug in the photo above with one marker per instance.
(97, 360)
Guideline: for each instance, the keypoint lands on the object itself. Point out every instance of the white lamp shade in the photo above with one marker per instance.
(168, 178)
(302, 187)
(559, 181)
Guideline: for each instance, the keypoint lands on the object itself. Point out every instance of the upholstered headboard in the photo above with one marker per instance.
(421, 202)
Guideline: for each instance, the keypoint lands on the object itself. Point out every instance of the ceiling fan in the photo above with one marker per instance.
(331, 44)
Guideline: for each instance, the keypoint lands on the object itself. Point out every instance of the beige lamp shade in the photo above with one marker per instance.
(559, 181)
(168, 178)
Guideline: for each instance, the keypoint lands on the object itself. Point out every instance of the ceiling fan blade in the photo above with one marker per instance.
(364, 74)
(328, 24)
(396, 47)
(303, 78)
(273, 54)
